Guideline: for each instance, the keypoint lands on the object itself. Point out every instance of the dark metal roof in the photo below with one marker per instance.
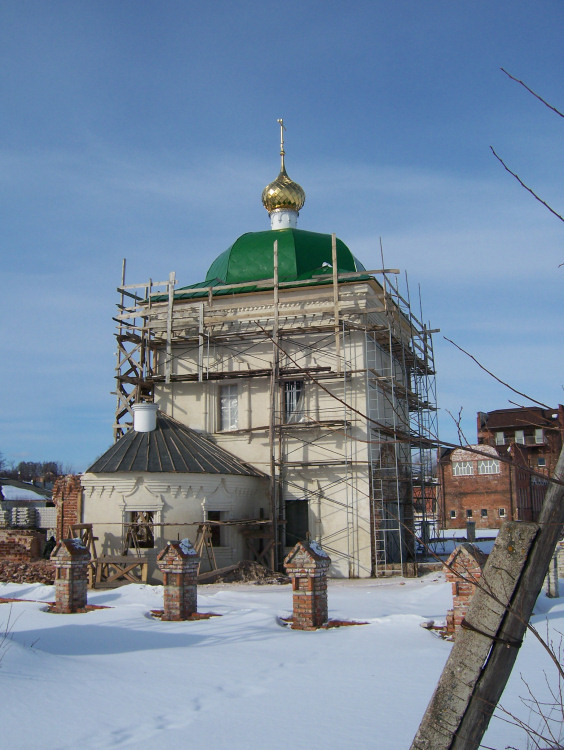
(518, 418)
(171, 447)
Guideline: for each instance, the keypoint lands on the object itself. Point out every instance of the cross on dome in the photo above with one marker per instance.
(283, 198)
(282, 152)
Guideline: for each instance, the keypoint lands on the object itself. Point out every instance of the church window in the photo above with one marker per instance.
(140, 530)
(228, 408)
(215, 528)
(293, 401)
(297, 521)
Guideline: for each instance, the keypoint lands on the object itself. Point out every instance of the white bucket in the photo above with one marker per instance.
(144, 417)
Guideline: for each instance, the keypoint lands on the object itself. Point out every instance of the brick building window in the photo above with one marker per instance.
(469, 513)
(453, 514)
(539, 436)
(500, 438)
(228, 407)
(501, 512)
(462, 468)
(520, 437)
(541, 461)
(488, 466)
(484, 512)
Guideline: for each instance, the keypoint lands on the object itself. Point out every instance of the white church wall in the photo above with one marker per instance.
(177, 502)
(329, 464)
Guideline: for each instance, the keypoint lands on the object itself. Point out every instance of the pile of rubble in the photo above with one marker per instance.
(43, 571)
(245, 571)
(39, 571)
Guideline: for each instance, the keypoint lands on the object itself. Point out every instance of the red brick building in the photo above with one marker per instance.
(502, 477)
(476, 487)
(537, 433)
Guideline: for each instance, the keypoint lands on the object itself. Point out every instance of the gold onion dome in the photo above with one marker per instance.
(283, 193)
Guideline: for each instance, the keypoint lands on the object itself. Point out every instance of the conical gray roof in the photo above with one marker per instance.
(171, 447)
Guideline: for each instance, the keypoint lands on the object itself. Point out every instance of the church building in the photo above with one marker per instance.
(306, 375)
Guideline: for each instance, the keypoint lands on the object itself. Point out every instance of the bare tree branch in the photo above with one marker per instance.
(458, 422)
(532, 92)
(520, 181)
(485, 369)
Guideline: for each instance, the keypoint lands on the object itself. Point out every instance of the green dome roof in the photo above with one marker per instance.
(301, 254)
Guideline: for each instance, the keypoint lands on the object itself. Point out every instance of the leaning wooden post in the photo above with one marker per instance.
(485, 650)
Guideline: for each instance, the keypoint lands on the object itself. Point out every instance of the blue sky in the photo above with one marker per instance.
(147, 130)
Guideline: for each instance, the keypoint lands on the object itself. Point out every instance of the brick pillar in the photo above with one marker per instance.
(307, 565)
(179, 564)
(67, 496)
(464, 570)
(71, 560)
(560, 558)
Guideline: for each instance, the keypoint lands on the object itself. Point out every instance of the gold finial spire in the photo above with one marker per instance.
(283, 194)
(282, 152)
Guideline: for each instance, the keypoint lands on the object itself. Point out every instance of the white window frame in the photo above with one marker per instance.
(453, 514)
(501, 513)
(144, 500)
(520, 437)
(228, 407)
(462, 468)
(539, 436)
(488, 466)
(500, 438)
(543, 459)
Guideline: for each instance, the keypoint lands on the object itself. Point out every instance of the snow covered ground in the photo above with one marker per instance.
(446, 541)
(118, 678)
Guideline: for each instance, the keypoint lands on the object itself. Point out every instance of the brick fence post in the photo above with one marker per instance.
(67, 496)
(560, 558)
(179, 563)
(307, 565)
(71, 560)
(464, 569)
